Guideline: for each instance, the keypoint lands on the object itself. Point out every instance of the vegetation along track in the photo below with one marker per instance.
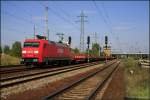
(86, 87)
(10, 81)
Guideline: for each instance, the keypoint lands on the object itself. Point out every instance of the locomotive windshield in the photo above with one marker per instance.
(31, 44)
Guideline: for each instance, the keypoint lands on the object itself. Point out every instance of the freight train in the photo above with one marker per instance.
(41, 51)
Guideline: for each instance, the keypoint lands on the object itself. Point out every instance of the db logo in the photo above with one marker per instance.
(29, 51)
(60, 50)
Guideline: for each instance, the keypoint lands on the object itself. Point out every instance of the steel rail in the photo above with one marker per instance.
(50, 74)
(100, 85)
(12, 69)
(36, 73)
(61, 90)
(8, 70)
(10, 66)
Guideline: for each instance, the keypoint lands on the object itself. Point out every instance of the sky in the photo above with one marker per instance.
(126, 23)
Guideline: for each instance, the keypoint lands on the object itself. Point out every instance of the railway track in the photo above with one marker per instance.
(20, 68)
(12, 69)
(11, 81)
(9, 66)
(86, 87)
(9, 76)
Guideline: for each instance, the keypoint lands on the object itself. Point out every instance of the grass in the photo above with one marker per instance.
(136, 84)
(9, 60)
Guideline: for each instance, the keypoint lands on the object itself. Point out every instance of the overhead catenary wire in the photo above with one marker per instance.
(30, 15)
(65, 15)
(62, 11)
(107, 22)
(12, 30)
(14, 5)
(60, 16)
(107, 17)
(101, 15)
(110, 25)
(18, 18)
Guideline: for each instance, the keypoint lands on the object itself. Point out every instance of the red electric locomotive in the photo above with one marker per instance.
(41, 51)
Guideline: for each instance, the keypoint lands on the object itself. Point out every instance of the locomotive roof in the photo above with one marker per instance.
(42, 40)
(33, 40)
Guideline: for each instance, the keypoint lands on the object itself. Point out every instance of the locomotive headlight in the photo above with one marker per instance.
(36, 51)
(24, 51)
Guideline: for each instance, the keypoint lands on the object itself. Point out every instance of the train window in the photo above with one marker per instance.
(31, 44)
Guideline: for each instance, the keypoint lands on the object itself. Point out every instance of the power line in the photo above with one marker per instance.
(107, 16)
(101, 15)
(61, 17)
(14, 5)
(62, 11)
(30, 14)
(14, 30)
(107, 22)
(18, 18)
(117, 38)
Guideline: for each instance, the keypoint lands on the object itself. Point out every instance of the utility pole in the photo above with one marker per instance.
(48, 34)
(95, 37)
(46, 23)
(34, 31)
(82, 16)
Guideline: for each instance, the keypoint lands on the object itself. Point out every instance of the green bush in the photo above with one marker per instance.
(136, 84)
(9, 60)
(130, 63)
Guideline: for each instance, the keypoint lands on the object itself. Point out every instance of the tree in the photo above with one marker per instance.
(0, 50)
(16, 49)
(76, 50)
(0, 53)
(6, 49)
(95, 49)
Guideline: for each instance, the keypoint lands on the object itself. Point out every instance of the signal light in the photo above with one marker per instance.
(69, 40)
(106, 40)
(88, 40)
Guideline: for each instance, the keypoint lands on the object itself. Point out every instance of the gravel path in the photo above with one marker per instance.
(115, 90)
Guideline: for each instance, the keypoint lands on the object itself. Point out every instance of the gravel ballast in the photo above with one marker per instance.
(12, 92)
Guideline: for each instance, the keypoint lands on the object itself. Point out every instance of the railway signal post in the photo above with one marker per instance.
(106, 42)
(88, 42)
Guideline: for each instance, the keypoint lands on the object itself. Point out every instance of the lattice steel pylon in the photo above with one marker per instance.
(46, 23)
(82, 16)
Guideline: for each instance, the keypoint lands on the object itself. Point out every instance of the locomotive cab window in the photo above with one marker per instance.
(31, 44)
